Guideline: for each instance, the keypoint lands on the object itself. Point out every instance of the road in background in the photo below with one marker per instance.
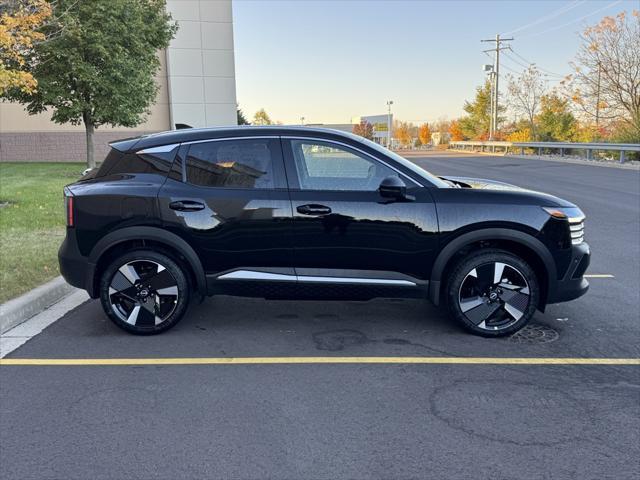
(351, 421)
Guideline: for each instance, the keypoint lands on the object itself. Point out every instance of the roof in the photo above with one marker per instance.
(196, 134)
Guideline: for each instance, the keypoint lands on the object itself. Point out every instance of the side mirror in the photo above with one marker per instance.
(393, 187)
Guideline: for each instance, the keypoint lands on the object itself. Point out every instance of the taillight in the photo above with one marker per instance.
(68, 206)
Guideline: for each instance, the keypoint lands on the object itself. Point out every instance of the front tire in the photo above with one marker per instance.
(144, 292)
(492, 293)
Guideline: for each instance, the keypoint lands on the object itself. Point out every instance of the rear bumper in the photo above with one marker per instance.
(573, 285)
(74, 267)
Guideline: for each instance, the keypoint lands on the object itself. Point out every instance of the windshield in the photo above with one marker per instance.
(406, 163)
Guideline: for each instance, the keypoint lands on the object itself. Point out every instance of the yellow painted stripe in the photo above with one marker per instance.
(599, 275)
(315, 360)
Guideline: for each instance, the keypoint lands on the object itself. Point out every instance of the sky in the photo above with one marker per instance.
(331, 60)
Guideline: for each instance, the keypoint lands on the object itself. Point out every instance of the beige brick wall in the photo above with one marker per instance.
(56, 146)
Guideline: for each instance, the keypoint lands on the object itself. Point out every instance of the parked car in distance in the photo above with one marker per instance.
(308, 213)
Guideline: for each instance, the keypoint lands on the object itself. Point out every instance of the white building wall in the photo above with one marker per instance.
(200, 64)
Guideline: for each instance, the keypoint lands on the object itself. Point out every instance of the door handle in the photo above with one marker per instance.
(186, 206)
(313, 209)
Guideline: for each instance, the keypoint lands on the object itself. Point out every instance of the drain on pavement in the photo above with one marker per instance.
(534, 333)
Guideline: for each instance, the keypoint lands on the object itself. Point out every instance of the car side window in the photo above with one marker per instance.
(328, 166)
(244, 163)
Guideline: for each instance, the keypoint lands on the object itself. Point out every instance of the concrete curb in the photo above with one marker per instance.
(20, 309)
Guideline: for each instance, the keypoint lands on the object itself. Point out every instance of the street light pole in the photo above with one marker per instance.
(302, 120)
(389, 103)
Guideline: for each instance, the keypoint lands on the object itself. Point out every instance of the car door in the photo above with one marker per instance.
(342, 225)
(228, 199)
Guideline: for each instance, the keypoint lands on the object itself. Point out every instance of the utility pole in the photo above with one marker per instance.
(496, 78)
(598, 97)
(389, 103)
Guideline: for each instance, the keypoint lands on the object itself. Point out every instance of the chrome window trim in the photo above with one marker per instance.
(291, 137)
(226, 139)
(267, 276)
(159, 149)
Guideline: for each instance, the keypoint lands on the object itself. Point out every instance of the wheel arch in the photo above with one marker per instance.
(144, 237)
(514, 241)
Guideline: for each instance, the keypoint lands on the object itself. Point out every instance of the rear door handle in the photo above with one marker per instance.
(186, 206)
(313, 209)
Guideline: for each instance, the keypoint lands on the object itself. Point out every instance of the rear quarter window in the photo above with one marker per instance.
(118, 163)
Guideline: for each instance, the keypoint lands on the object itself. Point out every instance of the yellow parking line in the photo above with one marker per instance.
(599, 275)
(315, 360)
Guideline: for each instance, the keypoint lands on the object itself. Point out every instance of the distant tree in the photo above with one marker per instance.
(241, 118)
(402, 133)
(525, 91)
(555, 121)
(364, 129)
(424, 134)
(19, 33)
(476, 124)
(455, 131)
(100, 66)
(606, 79)
(262, 118)
(523, 135)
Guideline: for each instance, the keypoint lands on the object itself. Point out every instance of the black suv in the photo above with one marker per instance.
(306, 213)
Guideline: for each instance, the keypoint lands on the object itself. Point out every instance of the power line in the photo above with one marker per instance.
(554, 14)
(536, 34)
(537, 66)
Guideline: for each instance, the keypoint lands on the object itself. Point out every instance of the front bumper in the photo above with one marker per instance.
(74, 267)
(573, 284)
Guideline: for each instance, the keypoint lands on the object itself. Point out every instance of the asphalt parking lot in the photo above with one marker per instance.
(358, 420)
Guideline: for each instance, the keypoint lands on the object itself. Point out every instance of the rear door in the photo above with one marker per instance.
(229, 200)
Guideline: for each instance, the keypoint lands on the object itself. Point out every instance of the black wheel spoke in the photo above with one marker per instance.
(161, 280)
(482, 313)
(484, 275)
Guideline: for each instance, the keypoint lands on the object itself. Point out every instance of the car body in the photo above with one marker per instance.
(301, 212)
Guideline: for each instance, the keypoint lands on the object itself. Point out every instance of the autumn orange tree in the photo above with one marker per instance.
(606, 82)
(402, 133)
(19, 24)
(455, 131)
(424, 134)
(364, 129)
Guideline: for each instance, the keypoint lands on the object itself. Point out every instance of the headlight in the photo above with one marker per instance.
(574, 216)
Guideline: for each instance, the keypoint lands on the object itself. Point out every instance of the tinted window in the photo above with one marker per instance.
(231, 164)
(118, 162)
(327, 166)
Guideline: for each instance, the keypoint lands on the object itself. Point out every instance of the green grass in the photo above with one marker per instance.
(32, 223)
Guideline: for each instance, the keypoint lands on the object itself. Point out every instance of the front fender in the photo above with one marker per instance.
(454, 245)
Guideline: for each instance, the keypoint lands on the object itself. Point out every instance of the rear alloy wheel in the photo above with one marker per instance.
(493, 293)
(144, 292)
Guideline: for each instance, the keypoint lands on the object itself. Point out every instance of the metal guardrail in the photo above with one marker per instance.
(541, 146)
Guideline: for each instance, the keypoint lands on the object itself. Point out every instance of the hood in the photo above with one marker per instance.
(534, 196)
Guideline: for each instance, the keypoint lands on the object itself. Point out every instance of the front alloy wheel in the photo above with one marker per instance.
(496, 293)
(144, 292)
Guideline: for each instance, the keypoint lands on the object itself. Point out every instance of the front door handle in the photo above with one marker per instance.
(313, 209)
(186, 206)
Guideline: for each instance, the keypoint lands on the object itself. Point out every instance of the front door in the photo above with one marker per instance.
(343, 227)
(228, 198)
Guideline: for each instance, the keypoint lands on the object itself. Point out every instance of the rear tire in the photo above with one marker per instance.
(144, 292)
(492, 293)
